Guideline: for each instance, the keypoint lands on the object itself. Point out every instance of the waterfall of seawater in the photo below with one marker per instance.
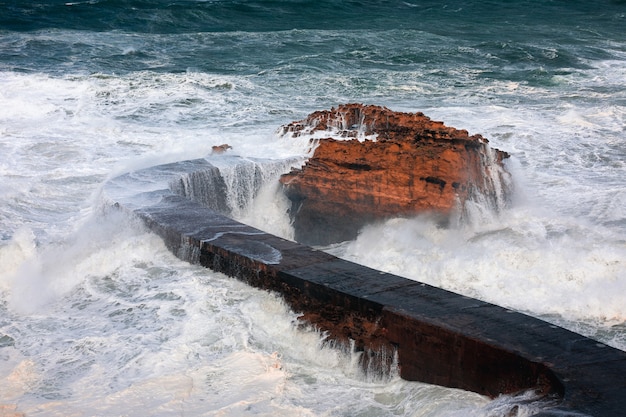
(481, 207)
(243, 188)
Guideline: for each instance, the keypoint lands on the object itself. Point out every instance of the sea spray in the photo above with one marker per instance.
(42, 275)
(489, 196)
(530, 263)
(167, 336)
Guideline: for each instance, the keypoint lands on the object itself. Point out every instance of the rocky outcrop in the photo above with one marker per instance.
(372, 163)
(219, 149)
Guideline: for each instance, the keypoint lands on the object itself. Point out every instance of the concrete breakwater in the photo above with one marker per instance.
(438, 336)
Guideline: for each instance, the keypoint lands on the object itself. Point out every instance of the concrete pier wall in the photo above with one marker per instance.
(440, 337)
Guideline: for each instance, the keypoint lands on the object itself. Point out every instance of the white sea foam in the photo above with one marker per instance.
(156, 334)
(530, 262)
(273, 217)
(37, 276)
(14, 254)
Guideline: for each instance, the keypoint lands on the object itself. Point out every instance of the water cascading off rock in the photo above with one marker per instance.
(380, 164)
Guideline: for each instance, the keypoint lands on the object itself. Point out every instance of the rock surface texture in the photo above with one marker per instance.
(377, 163)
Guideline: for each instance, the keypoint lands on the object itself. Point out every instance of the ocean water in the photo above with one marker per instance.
(97, 318)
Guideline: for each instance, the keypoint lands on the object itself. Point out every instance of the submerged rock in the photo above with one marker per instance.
(219, 149)
(380, 164)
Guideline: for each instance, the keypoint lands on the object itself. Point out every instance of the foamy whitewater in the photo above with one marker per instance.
(97, 318)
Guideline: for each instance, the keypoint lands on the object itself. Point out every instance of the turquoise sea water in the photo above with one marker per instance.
(97, 318)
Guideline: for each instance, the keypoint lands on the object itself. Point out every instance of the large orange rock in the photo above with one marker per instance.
(386, 164)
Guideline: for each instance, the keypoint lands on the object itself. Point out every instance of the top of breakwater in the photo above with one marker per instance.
(440, 337)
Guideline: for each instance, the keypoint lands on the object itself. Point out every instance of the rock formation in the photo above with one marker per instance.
(219, 149)
(380, 164)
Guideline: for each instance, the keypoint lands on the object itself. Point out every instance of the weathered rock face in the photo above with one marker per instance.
(409, 165)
